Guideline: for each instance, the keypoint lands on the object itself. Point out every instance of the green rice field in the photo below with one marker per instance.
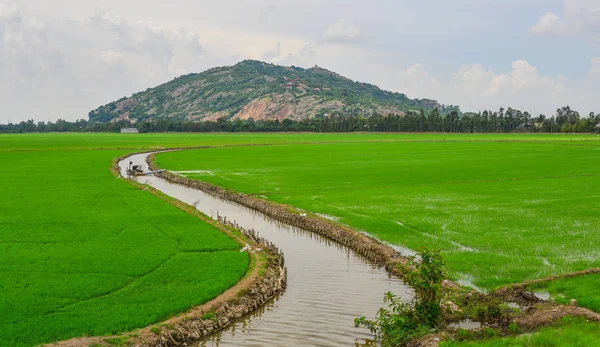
(84, 253)
(503, 208)
(584, 289)
(571, 332)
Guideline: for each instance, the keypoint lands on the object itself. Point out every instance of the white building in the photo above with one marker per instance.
(129, 131)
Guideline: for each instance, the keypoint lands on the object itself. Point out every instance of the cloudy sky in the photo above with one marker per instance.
(62, 58)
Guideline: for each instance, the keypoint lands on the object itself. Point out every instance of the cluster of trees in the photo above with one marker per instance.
(62, 126)
(508, 120)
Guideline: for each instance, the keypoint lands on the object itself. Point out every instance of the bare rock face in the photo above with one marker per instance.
(253, 89)
(262, 108)
(287, 106)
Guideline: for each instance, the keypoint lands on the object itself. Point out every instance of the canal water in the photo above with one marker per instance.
(328, 284)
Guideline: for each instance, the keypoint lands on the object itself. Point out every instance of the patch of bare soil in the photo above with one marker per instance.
(548, 316)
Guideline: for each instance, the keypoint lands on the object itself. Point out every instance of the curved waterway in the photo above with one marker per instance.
(328, 284)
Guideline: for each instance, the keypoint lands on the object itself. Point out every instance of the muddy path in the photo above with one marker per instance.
(328, 284)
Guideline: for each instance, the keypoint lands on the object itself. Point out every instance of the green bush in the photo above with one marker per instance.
(403, 322)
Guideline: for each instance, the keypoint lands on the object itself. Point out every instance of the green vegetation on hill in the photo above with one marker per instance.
(269, 91)
(503, 212)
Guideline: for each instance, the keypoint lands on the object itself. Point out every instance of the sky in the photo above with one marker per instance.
(59, 59)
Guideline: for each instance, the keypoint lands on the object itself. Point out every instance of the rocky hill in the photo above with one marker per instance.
(253, 89)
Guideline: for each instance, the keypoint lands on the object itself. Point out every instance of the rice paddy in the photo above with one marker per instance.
(571, 332)
(503, 209)
(84, 253)
(584, 289)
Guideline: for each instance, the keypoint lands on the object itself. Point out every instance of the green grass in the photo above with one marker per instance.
(585, 289)
(78, 141)
(504, 208)
(570, 333)
(84, 253)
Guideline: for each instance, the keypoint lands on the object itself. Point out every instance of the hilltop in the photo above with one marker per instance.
(258, 90)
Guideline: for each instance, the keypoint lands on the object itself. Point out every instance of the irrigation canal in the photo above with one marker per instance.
(328, 284)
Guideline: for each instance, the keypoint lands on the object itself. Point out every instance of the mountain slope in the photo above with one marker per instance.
(253, 89)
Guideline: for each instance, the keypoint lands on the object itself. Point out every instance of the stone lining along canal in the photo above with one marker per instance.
(328, 284)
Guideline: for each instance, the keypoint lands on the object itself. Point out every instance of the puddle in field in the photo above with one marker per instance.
(328, 284)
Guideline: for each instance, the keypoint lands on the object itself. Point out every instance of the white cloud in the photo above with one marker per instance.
(419, 84)
(274, 55)
(475, 87)
(111, 57)
(8, 11)
(53, 67)
(71, 67)
(549, 24)
(522, 87)
(341, 31)
(594, 73)
(580, 17)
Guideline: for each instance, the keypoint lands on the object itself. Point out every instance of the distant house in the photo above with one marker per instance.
(129, 131)
(597, 128)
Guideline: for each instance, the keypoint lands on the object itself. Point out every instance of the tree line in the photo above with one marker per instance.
(507, 120)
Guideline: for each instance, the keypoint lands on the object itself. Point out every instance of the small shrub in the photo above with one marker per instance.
(464, 335)
(208, 315)
(489, 333)
(404, 322)
(426, 277)
(513, 328)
